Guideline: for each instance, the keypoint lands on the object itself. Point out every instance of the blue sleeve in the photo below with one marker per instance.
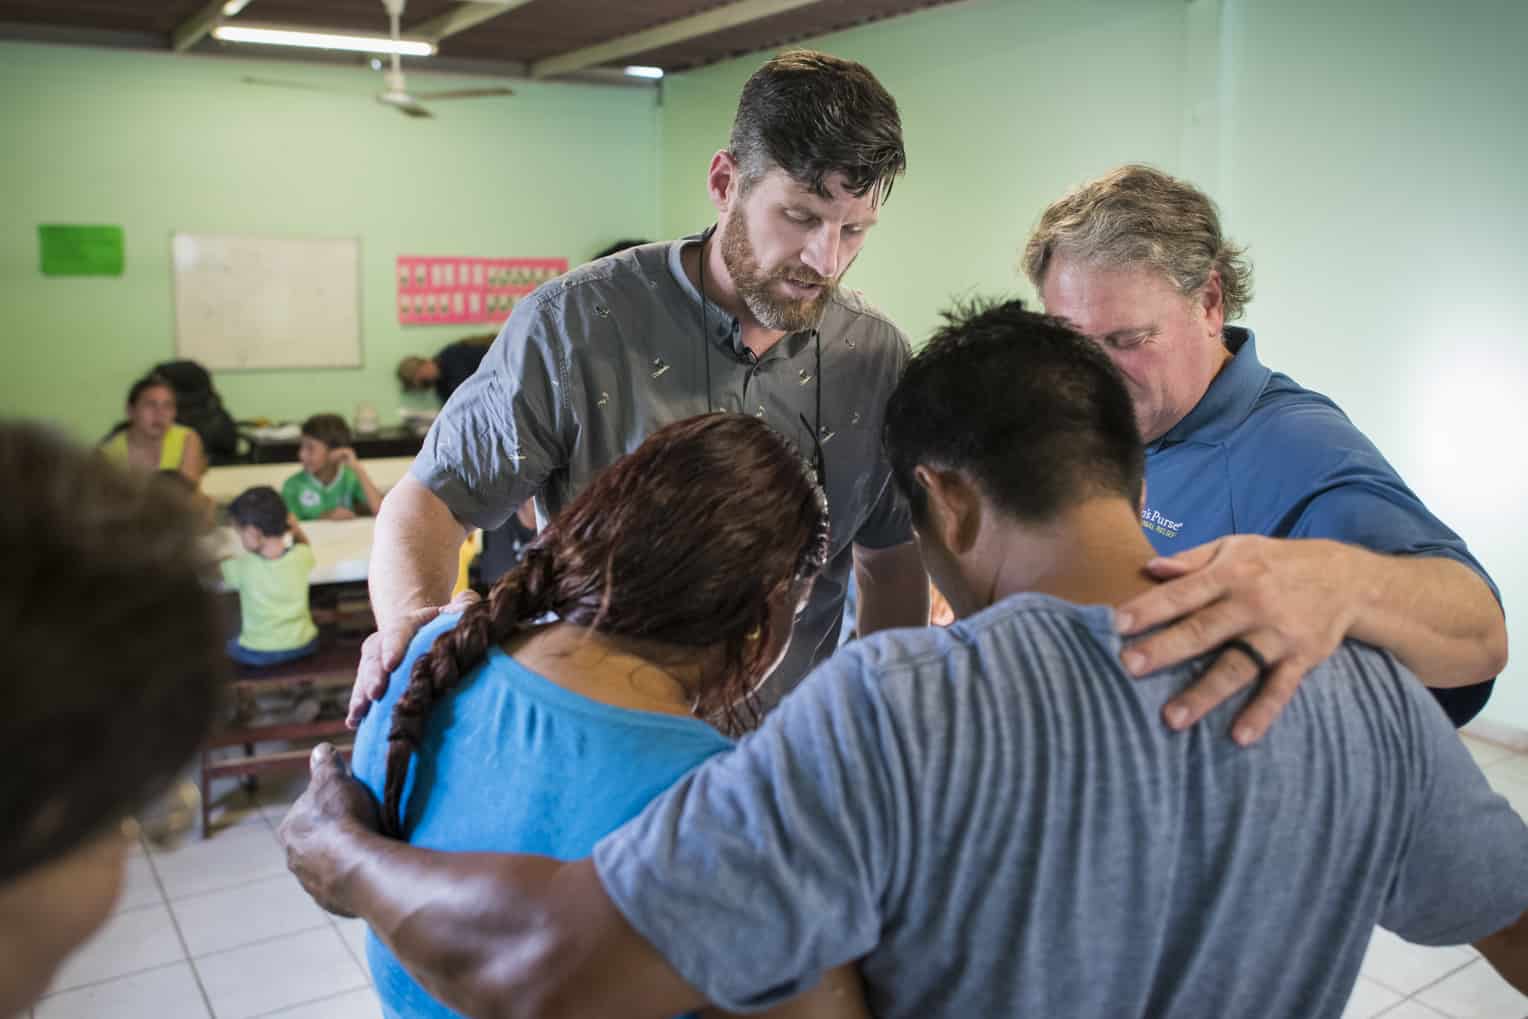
(765, 867)
(508, 426)
(1464, 874)
(368, 758)
(1325, 479)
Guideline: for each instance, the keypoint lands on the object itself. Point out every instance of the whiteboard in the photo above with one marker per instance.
(267, 302)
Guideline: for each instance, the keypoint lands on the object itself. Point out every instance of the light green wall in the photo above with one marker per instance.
(1369, 152)
(157, 144)
(984, 153)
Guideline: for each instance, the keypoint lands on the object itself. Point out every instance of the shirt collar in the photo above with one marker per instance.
(1231, 395)
(722, 328)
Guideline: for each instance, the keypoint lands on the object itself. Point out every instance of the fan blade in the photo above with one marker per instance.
(298, 85)
(464, 93)
(403, 103)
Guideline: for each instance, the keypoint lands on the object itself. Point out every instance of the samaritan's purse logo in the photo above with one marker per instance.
(1154, 521)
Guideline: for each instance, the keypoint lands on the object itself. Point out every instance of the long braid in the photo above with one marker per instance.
(520, 597)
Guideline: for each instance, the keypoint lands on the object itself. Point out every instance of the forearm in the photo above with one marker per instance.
(893, 589)
(414, 552)
(1435, 614)
(368, 489)
(501, 936)
(1507, 951)
(471, 927)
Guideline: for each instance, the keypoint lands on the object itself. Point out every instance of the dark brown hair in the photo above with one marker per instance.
(262, 508)
(153, 380)
(330, 429)
(814, 115)
(681, 542)
(107, 598)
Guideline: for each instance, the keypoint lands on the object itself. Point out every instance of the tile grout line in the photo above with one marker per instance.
(259, 941)
(113, 979)
(310, 1001)
(246, 883)
(181, 937)
(1414, 995)
(335, 923)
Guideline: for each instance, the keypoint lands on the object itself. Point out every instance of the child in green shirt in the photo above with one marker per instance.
(332, 484)
(272, 580)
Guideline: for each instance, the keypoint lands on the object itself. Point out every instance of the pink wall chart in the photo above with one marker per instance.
(452, 291)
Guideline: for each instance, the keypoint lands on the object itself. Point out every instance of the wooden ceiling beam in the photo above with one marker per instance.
(462, 17)
(718, 19)
(195, 28)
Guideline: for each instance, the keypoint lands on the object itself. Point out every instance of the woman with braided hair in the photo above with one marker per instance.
(606, 665)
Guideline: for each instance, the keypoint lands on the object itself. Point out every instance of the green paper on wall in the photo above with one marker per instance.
(80, 250)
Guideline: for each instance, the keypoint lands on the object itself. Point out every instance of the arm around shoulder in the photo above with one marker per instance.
(514, 937)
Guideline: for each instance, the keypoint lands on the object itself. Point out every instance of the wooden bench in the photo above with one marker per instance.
(334, 665)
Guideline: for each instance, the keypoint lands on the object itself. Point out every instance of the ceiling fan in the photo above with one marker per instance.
(395, 92)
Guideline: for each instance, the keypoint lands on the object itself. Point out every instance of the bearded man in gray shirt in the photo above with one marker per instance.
(748, 317)
(991, 818)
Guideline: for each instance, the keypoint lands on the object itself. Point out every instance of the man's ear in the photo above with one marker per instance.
(1212, 302)
(954, 507)
(722, 179)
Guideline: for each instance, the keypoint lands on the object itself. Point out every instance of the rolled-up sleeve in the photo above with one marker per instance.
(507, 427)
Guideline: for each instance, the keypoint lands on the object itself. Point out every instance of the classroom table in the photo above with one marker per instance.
(341, 548)
(399, 440)
(223, 484)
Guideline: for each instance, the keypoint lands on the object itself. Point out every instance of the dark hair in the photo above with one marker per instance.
(618, 247)
(1033, 412)
(680, 542)
(152, 380)
(813, 115)
(330, 429)
(109, 700)
(262, 508)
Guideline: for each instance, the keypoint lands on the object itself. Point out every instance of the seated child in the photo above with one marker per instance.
(332, 484)
(272, 581)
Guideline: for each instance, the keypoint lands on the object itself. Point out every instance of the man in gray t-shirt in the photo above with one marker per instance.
(747, 318)
(991, 818)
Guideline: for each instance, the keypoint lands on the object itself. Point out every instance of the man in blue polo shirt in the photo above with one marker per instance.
(1240, 460)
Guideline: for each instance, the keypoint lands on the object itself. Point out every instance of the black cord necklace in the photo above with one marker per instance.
(818, 458)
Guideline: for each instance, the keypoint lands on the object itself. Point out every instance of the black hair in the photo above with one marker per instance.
(814, 115)
(1030, 410)
(107, 598)
(260, 507)
(153, 380)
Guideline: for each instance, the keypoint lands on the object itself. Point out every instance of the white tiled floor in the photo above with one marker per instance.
(217, 930)
(1403, 981)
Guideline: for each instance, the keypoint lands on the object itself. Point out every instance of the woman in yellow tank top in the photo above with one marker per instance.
(152, 439)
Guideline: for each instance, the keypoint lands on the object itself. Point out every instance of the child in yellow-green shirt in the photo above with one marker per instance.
(272, 580)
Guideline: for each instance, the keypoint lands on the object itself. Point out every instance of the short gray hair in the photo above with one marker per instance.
(1138, 215)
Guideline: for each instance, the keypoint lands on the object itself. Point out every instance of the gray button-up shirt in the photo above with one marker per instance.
(592, 363)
